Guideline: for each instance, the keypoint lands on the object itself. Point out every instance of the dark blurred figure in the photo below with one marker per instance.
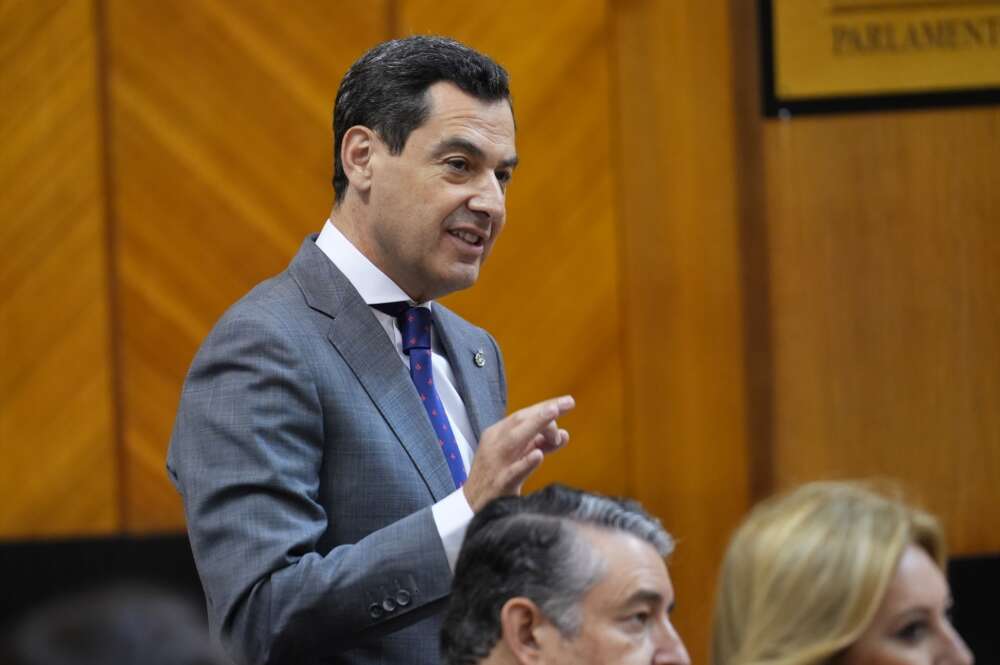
(124, 625)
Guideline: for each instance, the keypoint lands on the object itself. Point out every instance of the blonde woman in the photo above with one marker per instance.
(835, 574)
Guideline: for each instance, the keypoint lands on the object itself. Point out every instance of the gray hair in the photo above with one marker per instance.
(532, 546)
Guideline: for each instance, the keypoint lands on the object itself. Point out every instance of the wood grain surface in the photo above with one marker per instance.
(738, 304)
(873, 255)
(885, 277)
(550, 292)
(676, 165)
(58, 451)
(221, 153)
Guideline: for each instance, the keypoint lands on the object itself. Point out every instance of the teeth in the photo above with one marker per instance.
(470, 238)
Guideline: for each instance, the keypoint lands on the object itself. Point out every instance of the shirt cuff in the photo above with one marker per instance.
(452, 515)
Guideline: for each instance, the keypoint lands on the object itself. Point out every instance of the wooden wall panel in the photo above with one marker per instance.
(875, 256)
(738, 304)
(885, 274)
(222, 159)
(550, 292)
(682, 295)
(57, 448)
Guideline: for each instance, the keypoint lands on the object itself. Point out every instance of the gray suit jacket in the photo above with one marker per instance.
(308, 467)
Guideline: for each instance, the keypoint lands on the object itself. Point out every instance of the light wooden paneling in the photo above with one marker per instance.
(57, 447)
(874, 258)
(682, 297)
(550, 292)
(885, 284)
(222, 159)
(738, 304)
(871, 258)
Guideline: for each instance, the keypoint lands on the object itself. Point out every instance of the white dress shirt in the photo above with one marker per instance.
(452, 513)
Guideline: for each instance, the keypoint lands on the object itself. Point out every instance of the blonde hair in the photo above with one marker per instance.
(806, 571)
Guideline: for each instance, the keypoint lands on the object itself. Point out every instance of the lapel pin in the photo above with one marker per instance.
(479, 358)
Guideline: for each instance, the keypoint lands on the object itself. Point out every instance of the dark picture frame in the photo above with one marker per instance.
(774, 106)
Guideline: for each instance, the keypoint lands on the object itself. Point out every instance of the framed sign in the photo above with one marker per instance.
(843, 55)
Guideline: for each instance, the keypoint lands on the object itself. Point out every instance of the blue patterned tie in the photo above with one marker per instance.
(415, 325)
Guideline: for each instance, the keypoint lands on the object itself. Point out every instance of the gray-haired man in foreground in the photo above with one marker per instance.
(562, 576)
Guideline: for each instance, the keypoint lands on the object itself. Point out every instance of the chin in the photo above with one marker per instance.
(459, 280)
(457, 285)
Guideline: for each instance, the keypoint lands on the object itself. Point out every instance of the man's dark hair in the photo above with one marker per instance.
(128, 624)
(386, 89)
(529, 546)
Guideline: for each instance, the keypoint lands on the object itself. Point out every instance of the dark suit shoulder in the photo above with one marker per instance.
(310, 282)
(272, 295)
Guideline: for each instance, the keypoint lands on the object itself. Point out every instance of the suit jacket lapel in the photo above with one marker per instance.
(364, 346)
(473, 382)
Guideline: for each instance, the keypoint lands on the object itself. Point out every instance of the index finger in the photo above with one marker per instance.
(532, 419)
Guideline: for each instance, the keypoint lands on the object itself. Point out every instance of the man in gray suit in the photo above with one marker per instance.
(330, 460)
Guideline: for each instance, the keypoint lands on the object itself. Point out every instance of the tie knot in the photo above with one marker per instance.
(414, 324)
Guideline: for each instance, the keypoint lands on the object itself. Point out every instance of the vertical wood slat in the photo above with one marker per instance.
(682, 292)
(58, 465)
(885, 273)
(550, 291)
(221, 151)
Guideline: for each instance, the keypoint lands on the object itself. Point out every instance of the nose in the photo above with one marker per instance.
(670, 649)
(488, 198)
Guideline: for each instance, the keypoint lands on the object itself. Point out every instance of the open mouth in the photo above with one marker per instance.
(468, 237)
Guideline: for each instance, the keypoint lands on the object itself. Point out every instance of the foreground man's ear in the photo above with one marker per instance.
(356, 154)
(523, 631)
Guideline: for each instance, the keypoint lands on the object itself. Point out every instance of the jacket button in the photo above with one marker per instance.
(402, 597)
(389, 605)
(375, 610)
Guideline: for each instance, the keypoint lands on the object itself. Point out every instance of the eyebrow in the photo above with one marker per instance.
(469, 148)
(647, 596)
(912, 611)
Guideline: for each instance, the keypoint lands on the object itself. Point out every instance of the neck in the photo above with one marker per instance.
(349, 218)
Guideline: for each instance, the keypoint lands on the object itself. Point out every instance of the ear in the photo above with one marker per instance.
(520, 624)
(356, 154)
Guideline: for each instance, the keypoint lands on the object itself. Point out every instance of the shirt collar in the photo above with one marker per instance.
(374, 285)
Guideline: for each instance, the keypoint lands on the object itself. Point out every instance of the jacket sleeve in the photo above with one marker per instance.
(247, 454)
